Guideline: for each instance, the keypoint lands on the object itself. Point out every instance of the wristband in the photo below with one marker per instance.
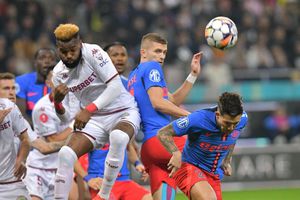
(91, 107)
(136, 163)
(87, 178)
(191, 78)
(58, 106)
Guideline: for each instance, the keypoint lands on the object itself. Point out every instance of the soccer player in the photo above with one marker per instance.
(124, 188)
(8, 90)
(147, 84)
(212, 134)
(42, 168)
(108, 114)
(119, 57)
(12, 162)
(31, 86)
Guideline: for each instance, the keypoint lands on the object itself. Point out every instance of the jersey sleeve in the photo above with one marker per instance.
(18, 121)
(101, 63)
(153, 76)
(44, 122)
(21, 87)
(187, 125)
(243, 122)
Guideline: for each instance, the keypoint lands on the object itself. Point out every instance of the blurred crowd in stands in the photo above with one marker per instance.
(269, 31)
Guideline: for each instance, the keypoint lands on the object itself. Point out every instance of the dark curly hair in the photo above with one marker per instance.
(231, 104)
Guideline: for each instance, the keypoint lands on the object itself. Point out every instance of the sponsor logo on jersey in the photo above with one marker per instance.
(182, 122)
(4, 126)
(154, 76)
(210, 147)
(84, 84)
(30, 94)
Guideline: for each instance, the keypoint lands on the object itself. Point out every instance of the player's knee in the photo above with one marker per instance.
(118, 138)
(67, 156)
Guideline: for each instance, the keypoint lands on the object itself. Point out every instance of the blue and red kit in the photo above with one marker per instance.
(31, 90)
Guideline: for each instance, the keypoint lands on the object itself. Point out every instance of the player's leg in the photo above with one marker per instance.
(78, 145)
(34, 183)
(118, 138)
(194, 183)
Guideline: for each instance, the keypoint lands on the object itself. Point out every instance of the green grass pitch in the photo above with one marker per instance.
(263, 194)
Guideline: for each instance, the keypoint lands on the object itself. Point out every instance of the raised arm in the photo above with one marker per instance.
(165, 135)
(181, 93)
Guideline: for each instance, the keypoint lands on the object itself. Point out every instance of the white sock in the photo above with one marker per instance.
(114, 161)
(64, 174)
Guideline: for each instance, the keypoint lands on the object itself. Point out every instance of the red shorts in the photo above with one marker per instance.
(155, 158)
(84, 161)
(125, 190)
(188, 175)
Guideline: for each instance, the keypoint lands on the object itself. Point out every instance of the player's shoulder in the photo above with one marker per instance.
(91, 51)
(6, 103)
(149, 65)
(244, 120)
(27, 77)
(42, 104)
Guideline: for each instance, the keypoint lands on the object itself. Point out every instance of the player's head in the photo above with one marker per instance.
(68, 44)
(118, 55)
(48, 80)
(230, 110)
(7, 86)
(43, 59)
(153, 48)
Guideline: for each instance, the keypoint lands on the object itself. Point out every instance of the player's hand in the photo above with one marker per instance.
(4, 113)
(95, 183)
(174, 163)
(144, 176)
(20, 170)
(226, 166)
(60, 92)
(81, 119)
(195, 64)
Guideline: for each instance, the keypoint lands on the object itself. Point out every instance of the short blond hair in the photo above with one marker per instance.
(66, 32)
(153, 37)
(7, 76)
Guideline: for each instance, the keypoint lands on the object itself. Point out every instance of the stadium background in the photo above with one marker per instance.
(263, 67)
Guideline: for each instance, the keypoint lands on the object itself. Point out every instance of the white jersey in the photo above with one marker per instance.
(89, 79)
(12, 125)
(45, 122)
(31, 135)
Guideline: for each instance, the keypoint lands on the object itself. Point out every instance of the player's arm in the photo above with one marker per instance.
(20, 169)
(226, 164)
(47, 147)
(163, 105)
(133, 157)
(165, 136)
(59, 94)
(60, 136)
(181, 93)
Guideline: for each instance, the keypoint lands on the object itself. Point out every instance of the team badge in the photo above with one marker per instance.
(182, 122)
(43, 118)
(154, 75)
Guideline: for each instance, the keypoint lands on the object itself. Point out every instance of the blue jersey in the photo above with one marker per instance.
(206, 146)
(97, 161)
(143, 77)
(29, 89)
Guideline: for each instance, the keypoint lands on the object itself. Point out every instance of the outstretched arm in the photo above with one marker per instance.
(181, 93)
(165, 135)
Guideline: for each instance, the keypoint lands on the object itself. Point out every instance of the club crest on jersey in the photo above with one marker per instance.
(182, 122)
(154, 75)
(43, 118)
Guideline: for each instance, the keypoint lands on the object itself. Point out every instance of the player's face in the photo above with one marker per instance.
(69, 52)
(154, 52)
(227, 123)
(44, 60)
(8, 89)
(119, 57)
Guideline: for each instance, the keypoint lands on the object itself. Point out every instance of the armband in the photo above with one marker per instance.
(191, 78)
(58, 106)
(91, 107)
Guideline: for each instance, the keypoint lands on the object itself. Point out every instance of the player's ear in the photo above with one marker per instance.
(142, 52)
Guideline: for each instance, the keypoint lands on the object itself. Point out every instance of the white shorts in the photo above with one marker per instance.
(99, 126)
(40, 182)
(14, 191)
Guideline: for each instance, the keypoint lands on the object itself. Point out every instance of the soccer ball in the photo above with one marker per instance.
(221, 33)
